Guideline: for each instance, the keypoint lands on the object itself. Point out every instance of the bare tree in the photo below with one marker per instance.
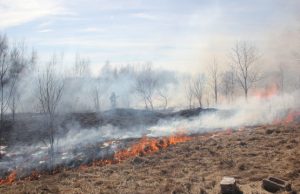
(81, 67)
(214, 78)
(244, 59)
(198, 88)
(50, 88)
(228, 84)
(32, 61)
(113, 100)
(146, 85)
(164, 98)
(12, 63)
(96, 93)
(207, 101)
(189, 93)
(18, 63)
(4, 75)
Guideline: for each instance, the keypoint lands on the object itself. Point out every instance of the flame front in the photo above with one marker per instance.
(149, 145)
(143, 147)
(10, 179)
(291, 116)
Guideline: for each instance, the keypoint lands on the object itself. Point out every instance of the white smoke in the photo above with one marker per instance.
(255, 112)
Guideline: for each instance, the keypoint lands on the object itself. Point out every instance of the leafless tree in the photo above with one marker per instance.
(146, 85)
(198, 88)
(214, 78)
(228, 84)
(189, 92)
(113, 100)
(18, 63)
(4, 75)
(81, 67)
(164, 98)
(244, 58)
(96, 93)
(32, 61)
(12, 63)
(50, 88)
(207, 102)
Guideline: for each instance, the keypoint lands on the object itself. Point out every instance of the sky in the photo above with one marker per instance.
(173, 34)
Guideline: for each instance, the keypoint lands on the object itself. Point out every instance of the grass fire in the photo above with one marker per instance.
(143, 147)
(175, 97)
(147, 146)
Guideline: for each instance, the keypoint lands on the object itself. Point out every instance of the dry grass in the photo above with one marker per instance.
(192, 167)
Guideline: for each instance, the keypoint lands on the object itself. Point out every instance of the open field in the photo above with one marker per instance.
(196, 166)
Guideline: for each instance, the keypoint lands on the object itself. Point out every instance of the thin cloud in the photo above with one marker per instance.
(145, 16)
(45, 30)
(93, 29)
(90, 42)
(45, 24)
(17, 12)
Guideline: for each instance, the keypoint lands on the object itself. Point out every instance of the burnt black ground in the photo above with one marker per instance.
(29, 128)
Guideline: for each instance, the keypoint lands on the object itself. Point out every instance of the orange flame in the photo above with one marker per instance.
(143, 147)
(149, 145)
(291, 116)
(267, 92)
(10, 179)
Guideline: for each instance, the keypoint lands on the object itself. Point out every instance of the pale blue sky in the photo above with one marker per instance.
(172, 33)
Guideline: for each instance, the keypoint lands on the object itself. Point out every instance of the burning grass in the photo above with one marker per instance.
(149, 145)
(144, 146)
(193, 166)
(10, 179)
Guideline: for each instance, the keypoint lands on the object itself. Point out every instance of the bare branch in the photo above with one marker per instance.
(244, 59)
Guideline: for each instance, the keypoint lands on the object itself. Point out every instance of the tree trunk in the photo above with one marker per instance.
(146, 105)
(2, 104)
(216, 93)
(151, 104)
(13, 108)
(51, 141)
(246, 89)
(200, 102)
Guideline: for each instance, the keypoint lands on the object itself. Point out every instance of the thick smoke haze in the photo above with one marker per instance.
(234, 116)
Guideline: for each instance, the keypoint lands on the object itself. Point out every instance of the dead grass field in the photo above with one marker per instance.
(196, 166)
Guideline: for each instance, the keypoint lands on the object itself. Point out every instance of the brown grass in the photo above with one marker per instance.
(196, 166)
